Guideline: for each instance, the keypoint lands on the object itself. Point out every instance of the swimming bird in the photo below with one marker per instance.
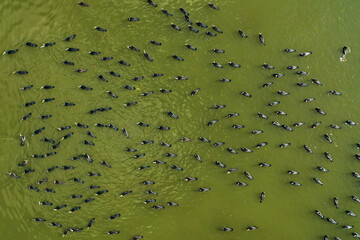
(147, 56)
(304, 54)
(262, 197)
(261, 38)
(191, 47)
(217, 29)
(176, 27)
(213, 6)
(166, 12)
(242, 34)
(83, 4)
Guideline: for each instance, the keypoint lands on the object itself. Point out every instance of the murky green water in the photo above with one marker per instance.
(287, 211)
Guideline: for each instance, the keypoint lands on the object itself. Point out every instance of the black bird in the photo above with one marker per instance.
(242, 34)
(157, 75)
(195, 91)
(112, 94)
(302, 73)
(268, 66)
(300, 84)
(11, 51)
(191, 47)
(262, 144)
(98, 193)
(70, 49)
(133, 48)
(200, 24)
(171, 114)
(114, 74)
(101, 77)
(230, 115)
(216, 29)
(187, 18)
(64, 128)
(204, 139)
(21, 72)
(86, 142)
(156, 43)
(148, 57)
(262, 196)
(334, 92)
(138, 78)
(114, 216)
(218, 65)
(94, 53)
(133, 19)
(166, 12)
(38, 131)
(100, 29)
(350, 122)
(91, 223)
(143, 124)
(125, 133)
(308, 149)
(147, 94)
(319, 214)
(213, 6)
(304, 54)
(184, 11)
(83, 4)
(39, 220)
(327, 137)
(320, 111)
(27, 87)
(278, 75)
(68, 63)
(181, 78)
(217, 144)
(193, 29)
(211, 34)
(235, 65)
(124, 63)
(48, 100)
(189, 179)
(176, 57)
(309, 100)
(46, 87)
(29, 104)
(204, 189)
(29, 44)
(292, 67)
(174, 26)
(212, 122)
(215, 50)
(106, 164)
(129, 87)
(268, 84)
(170, 155)
(26, 117)
(261, 38)
(151, 2)
(107, 58)
(246, 94)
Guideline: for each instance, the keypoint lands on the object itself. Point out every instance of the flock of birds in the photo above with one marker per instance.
(55, 145)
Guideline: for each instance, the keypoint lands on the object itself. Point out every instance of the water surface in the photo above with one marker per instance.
(322, 27)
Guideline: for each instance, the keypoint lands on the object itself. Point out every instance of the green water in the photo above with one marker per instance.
(287, 211)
